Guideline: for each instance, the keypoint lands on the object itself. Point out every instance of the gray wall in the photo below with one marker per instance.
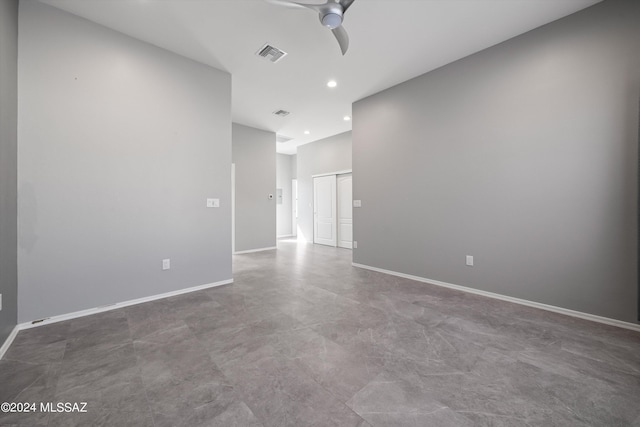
(324, 156)
(253, 155)
(524, 156)
(8, 166)
(120, 144)
(283, 181)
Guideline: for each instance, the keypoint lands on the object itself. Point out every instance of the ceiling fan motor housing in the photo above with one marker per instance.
(331, 17)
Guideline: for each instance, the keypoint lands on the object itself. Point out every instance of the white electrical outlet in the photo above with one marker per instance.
(470, 260)
(166, 264)
(355, 245)
(357, 203)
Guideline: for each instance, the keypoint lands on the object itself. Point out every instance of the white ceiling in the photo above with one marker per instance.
(391, 42)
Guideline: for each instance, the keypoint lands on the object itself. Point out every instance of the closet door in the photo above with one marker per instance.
(324, 210)
(345, 211)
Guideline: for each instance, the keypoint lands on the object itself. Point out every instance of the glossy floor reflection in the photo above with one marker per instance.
(302, 338)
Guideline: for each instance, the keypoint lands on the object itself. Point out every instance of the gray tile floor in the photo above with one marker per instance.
(304, 339)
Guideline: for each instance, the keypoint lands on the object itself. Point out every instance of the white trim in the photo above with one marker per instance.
(90, 311)
(250, 251)
(553, 308)
(346, 171)
(285, 236)
(9, 341)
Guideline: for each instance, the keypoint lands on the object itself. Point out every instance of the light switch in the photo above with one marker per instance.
(357, 203)
(213, 203)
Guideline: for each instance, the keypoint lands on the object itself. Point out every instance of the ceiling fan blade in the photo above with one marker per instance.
(346, 4)
(295, 4)
(342, 37)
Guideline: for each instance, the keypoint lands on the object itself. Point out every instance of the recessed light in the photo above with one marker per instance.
(332, 83)
(347, 118)
(306, 132)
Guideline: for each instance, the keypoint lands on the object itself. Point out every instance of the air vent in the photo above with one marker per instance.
(281, 113)
(282, 138)
(271, 53)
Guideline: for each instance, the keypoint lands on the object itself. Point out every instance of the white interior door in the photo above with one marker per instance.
(233, 208)
(294, 205)
(345, 211)
(324, 210)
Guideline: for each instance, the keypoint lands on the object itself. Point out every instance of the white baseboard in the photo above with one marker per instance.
(90, 311)
(547, 307)
(9, 341)
(270, 248)
(285, 236)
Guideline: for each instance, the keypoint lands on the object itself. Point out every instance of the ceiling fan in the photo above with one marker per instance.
(331, 16)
